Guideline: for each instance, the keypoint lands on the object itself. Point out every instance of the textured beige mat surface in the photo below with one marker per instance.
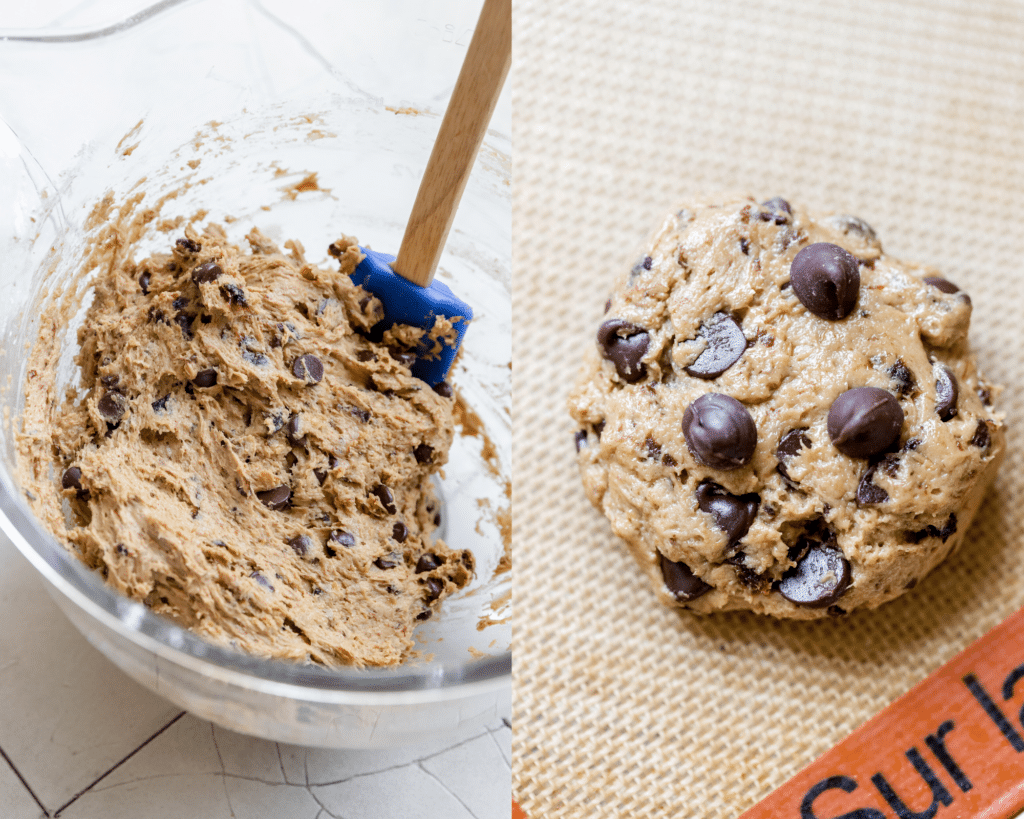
(907, 114)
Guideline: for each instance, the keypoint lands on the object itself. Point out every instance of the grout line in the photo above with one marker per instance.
(21, 779)
(117, 765)
(453, 794)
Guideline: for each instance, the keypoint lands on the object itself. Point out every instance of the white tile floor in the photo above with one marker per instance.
(79, 740)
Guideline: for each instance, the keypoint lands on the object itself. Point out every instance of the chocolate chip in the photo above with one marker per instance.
(947, 392)
(112, 406)
(180, 303)
(189, 245)
(733, 514)
(819, 579)
(423, 454)
(945, 285)
(682, 583)
(335, 249)
(308, 368)
(122, 550)
(864, 421)
(744, 246)
(110, 381)
(624, 344)
(72, 479)
(205, 379)
(652, 448)
(259, 578)
(387, 500)
(236, 295)
(301, 544)
(426, 614)
(444, 389)
(361, 414)
(257, 359)
(144, 281)
(403, 357)
(400, 532)
(982, 439)
(789, 447)
(580, 439)
(906, 384)
(294, 431)
(342, 538)
(434, 587)
(156, 316)
(184, 321)
(641, 266)
(607, 305)
(206, 273)
(776, 210)
(719, 431)
(320, 475)
(725, 344)
(867, 493)
(388, 561)
(276, 498)
(365, 355)
(855, 225)
(826, 279)
(946, 532)
(985, 394)
(427, 563)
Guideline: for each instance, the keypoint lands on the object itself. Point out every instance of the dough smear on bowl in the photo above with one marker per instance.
(244, 453)
(778, 416)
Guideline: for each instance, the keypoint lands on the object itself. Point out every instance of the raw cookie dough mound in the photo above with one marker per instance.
(777, 416)
(243, 457)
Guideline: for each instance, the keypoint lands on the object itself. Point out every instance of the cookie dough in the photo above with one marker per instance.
(247, 451)
(778, 416)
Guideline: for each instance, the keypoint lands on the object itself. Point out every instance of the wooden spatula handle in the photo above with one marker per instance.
(462, 130)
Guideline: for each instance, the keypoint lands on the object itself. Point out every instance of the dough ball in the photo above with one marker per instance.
(778, 416)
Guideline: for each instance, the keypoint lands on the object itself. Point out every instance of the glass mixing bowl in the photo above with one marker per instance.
(234, 105)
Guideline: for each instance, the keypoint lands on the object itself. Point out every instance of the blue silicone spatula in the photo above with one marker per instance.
(405, 285)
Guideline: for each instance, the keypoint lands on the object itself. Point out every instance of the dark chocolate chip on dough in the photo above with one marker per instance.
(776, 210)
(947, 392)
(302, 545)
(444, 389)
(112, 406)
(981, 438)
(682, 583)
(733, 514)
(400, 532)
(144, 281)
(819, 579)
(906, 384)
(434, 587)
(867, 493)
(789, 447)
(624, 344)
(308, 368)
(580, 439)
(189, 245)
(276, 498)
(939, 283)
(206, 273)
(386, 498)
(423, 453)
(719, 431)
(865, 421)
(72, 478)
(259, 578)
(205, 378)
(427, 563)
(388, 561)
(826, 279)
(342, 538)
(854, 225)
(725, 344)
(294, 430)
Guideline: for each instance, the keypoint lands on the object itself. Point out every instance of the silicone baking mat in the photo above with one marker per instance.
(907, 114)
